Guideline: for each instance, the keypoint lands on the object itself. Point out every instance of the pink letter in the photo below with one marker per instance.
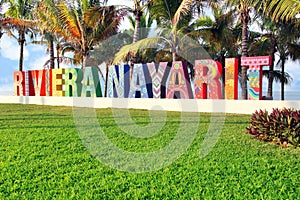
(179, 86)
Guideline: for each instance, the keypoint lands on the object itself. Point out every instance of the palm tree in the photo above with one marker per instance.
(19, 18)
(218, 33)
(283, 9)
(47, 39)
(288, 47)
(1, 16)
(281, 40)
(82, 24)
(172, 16)
(146, 22)
(47, 36)
(47, 10)
(145, 25)
(244, 7)
(139, 15)
(266, 44)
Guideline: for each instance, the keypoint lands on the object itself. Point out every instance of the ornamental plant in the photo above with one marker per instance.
(281, 126)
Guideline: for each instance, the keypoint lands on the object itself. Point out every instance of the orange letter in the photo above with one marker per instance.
(231, 78)
(19, 83)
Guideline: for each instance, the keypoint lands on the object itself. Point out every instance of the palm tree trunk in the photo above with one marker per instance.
(21, 43)
(282, 78)
(51, 53)
(57, 55)
(270, 81)
(137, 26)
(271, 70)
(1, 33)
(174, 56)
(83, 64)
(173, 48)
(136, 36)
(245, 54)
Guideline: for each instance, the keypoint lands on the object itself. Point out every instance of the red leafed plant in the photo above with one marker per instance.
(280, 126)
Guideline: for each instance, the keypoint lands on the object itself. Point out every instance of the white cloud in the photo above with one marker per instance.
(124, 2)
(39, 48)
(5, 80)
(7, 89)
(129, 3)
(4, 7)
(37, 62)
(10, 49)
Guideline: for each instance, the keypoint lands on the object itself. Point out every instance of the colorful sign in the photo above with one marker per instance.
(73, 78)
(163, 80)
(255, 65)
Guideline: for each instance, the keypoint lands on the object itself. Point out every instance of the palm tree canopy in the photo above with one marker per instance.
(283, 9)
(172, 17)
(82, 24)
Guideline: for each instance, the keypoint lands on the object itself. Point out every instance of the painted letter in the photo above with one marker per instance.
(140, 85)
(73, 78)
(179, 85)
(57, 82)
(231, 78)
(48, 82)
(159, 74)
(118, 80)
(37, 82)
(19, 83)
(91, 83)
(207, 79)
(255, 74)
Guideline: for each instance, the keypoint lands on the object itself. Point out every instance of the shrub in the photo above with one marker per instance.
(281, 126)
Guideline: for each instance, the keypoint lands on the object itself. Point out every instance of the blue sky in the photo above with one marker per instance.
(35, 57)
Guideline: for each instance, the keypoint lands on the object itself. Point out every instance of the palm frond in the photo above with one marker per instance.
(135, 47)
(277, 74)
(131, 21)
(205, 21)
(294, 51)
(184, 8)
(284, 9)
(17, 22)
(69, 21)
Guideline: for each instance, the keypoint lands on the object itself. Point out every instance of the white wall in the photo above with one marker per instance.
(185, 105)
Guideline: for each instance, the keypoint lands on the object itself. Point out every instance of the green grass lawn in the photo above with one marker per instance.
(43, 157)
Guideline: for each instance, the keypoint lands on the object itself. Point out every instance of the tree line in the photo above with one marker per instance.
(84, 26)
